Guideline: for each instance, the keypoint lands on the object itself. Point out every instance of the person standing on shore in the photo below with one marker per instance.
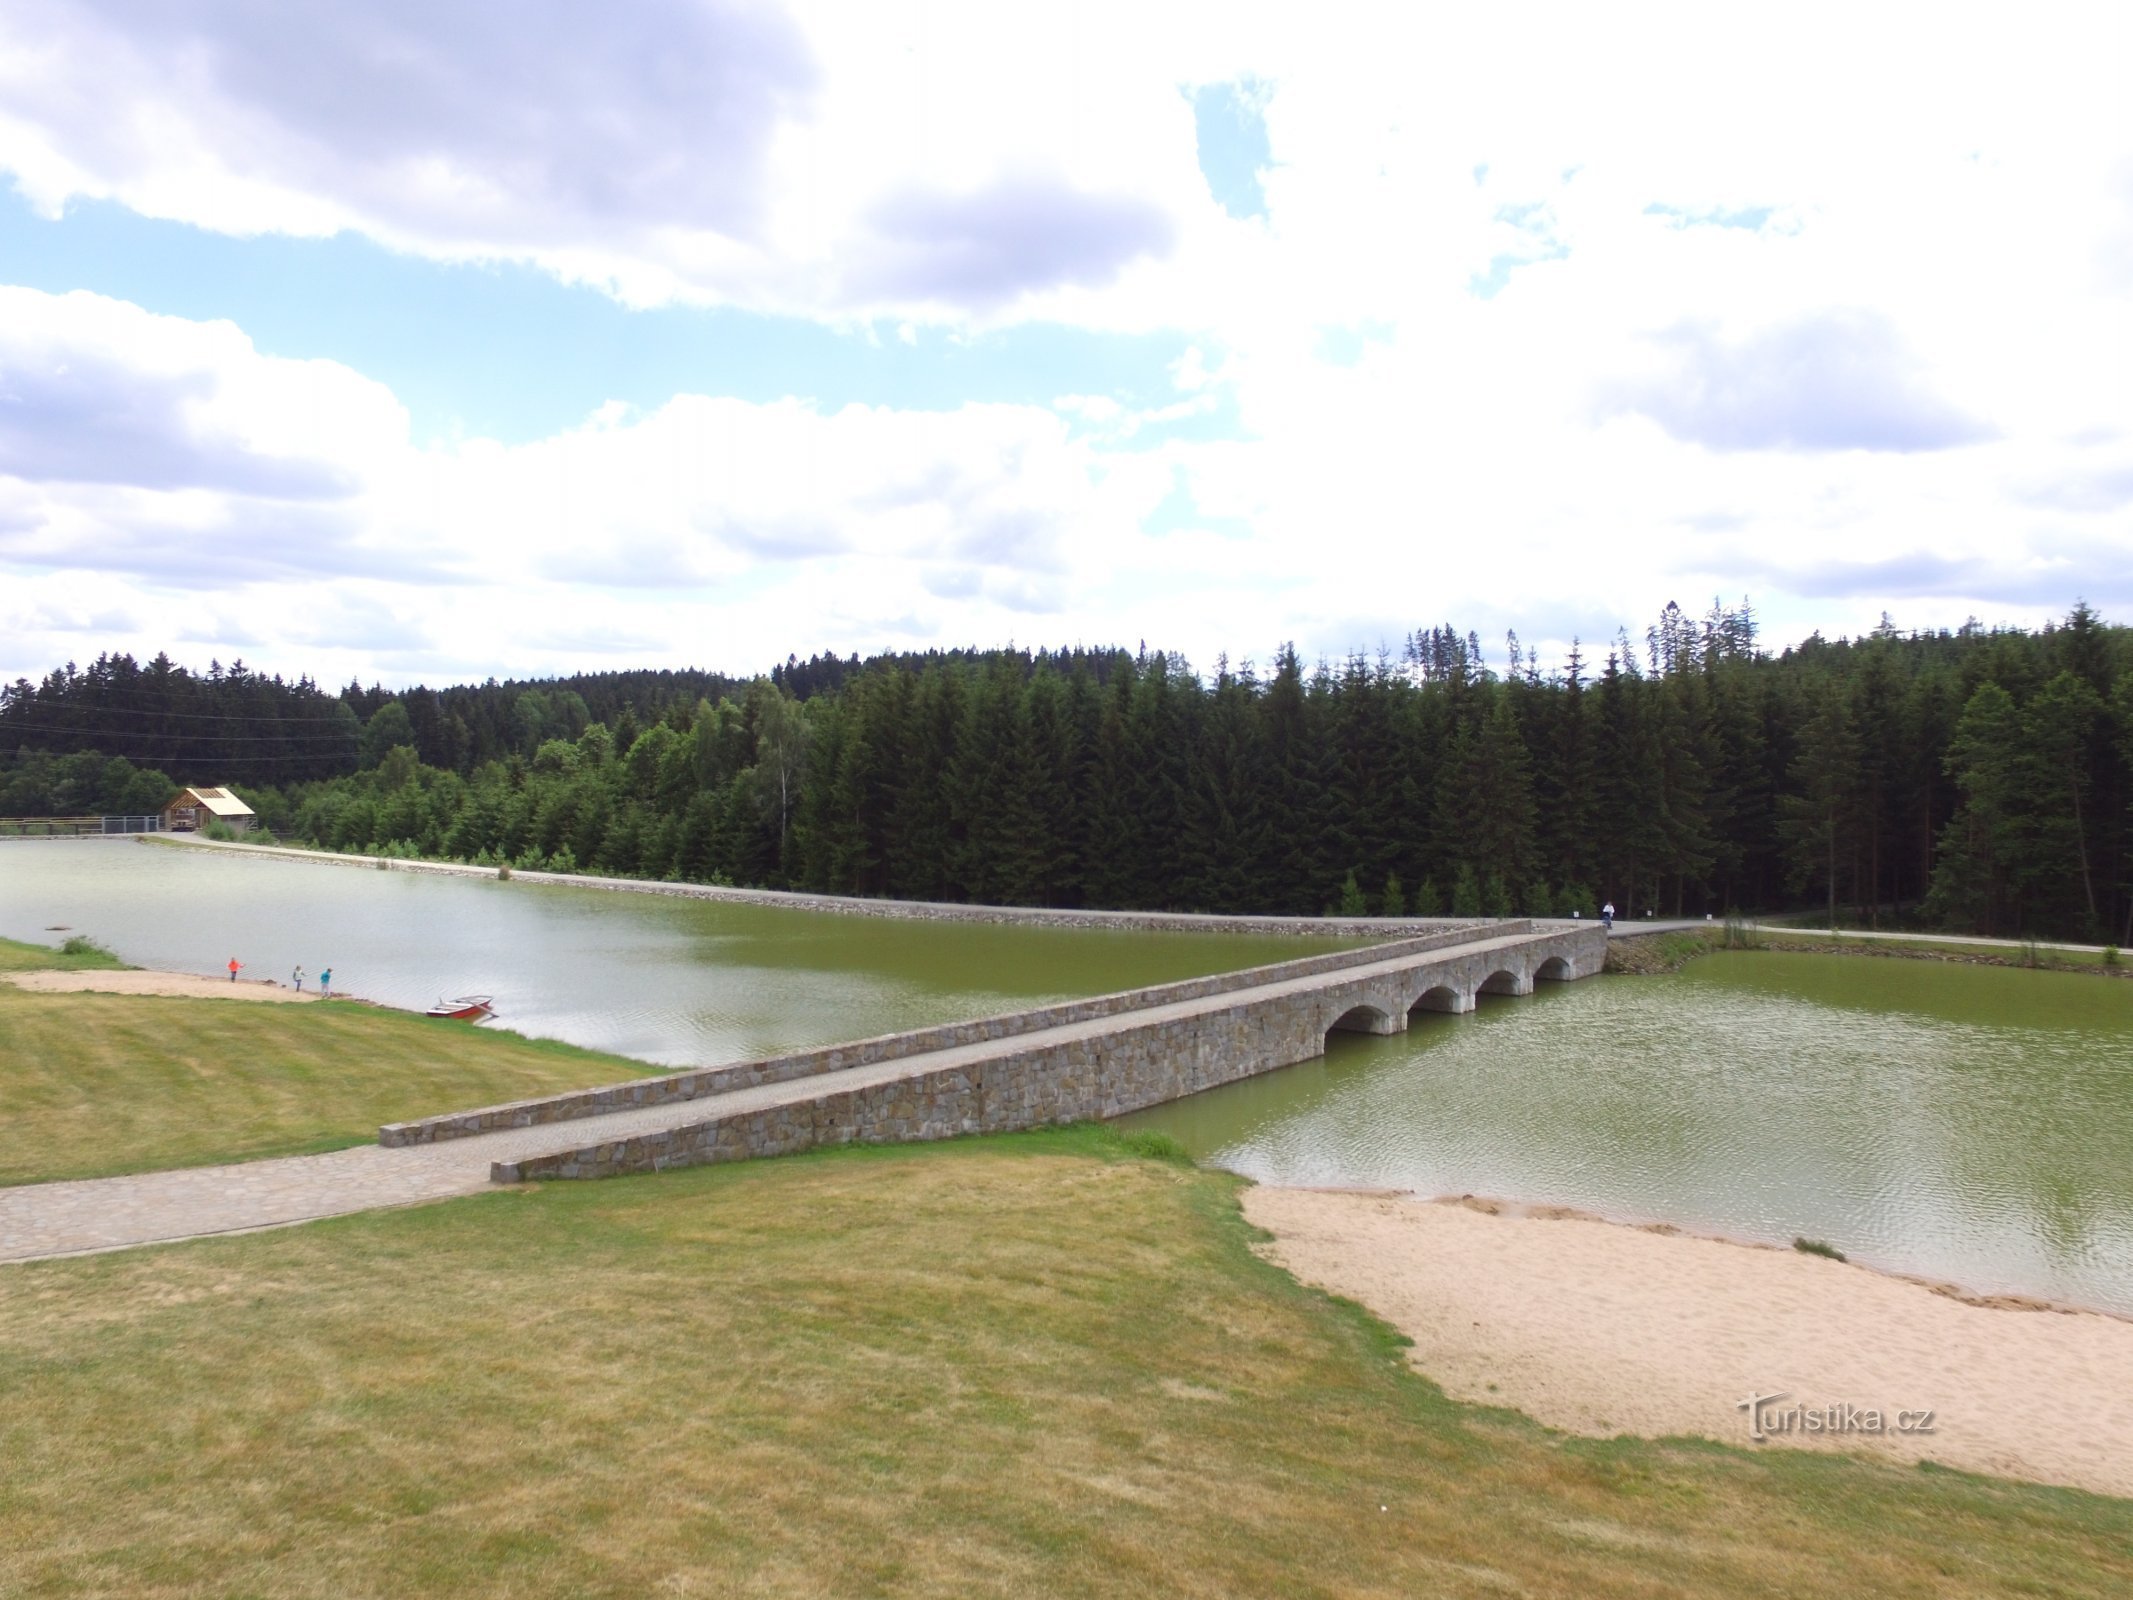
(234, 965)
(325, 983)
(298, 977)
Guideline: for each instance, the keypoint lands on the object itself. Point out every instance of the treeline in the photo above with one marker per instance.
(232, 725)
(464, 726)
(228, 724)
(1975, 779)
(38, 783)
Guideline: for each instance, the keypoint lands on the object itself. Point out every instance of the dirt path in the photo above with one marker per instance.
(1602, 1329)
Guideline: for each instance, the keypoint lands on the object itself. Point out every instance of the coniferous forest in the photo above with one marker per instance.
(1975, 780)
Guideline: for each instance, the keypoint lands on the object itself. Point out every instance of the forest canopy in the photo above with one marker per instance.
(1974, 779)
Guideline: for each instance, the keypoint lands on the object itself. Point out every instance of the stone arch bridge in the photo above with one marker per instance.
(1087, 1059)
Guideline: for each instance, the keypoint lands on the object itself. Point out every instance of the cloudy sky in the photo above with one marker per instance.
(430, 339)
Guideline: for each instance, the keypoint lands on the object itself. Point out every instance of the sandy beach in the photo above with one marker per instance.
(1603, 1329)
(179, 985)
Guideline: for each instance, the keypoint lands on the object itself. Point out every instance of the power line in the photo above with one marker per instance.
(211, 716)
(347, 736)
(169, 758)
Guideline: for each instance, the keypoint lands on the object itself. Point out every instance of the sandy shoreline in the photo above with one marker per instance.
(1601, 1329)
(176, 985)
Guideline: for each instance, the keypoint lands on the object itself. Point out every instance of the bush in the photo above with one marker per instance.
(78, 945)
(2110, 955)
(220, 831)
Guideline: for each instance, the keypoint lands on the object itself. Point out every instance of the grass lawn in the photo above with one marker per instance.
(1036, 1365)
(96, 1084)
(88, 956)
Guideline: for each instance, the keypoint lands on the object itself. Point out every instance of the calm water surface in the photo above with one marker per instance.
(1972, 1124)
(1967, 1123)
(666, 980)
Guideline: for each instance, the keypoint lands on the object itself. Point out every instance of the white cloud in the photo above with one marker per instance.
(1839, 380)
(1868, 351)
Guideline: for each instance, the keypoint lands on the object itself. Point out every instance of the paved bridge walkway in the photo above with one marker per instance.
(1139, 1049)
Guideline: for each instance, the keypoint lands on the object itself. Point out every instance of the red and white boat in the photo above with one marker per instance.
(467, 1008)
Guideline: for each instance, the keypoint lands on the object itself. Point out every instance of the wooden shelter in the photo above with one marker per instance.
(196, 808)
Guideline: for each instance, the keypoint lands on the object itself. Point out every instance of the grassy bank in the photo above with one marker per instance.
(1669, 952)
(96, 1084)
(2044, 957)
(1035, 1365)
(75, 955)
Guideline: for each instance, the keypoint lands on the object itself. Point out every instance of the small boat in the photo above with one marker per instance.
(467, 1008)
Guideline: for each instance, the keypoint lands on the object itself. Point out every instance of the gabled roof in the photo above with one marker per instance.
(219, 802)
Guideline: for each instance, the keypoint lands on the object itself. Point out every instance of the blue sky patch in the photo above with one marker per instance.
(1343, 346)
(1230, 121)
(1751, 218)
(510, 353)
(1178, 509)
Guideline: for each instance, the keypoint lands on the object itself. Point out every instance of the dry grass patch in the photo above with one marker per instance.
(1027, 1366)
(97, 1084)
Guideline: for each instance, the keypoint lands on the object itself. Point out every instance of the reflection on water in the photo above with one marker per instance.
(662, 979)
(1965, 1123)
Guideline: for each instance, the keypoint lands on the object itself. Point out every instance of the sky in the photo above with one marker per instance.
(430, 341)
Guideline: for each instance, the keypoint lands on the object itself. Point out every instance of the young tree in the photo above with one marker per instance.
(781, 733)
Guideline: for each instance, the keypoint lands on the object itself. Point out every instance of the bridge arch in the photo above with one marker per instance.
(1504, 980)
(1554, 970)
(1441, 997)
(1363, 1018)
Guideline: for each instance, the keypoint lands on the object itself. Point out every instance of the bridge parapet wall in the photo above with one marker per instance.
(1100, 1073)
(699, 1082)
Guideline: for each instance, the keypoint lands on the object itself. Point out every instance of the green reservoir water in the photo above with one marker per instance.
(1971, 1124)
(663, 979)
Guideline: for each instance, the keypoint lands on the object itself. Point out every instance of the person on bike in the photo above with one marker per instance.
(1607, 915)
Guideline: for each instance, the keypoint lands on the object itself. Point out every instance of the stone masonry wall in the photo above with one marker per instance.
(1101, 1074)
(850, 905)
(691, 1084)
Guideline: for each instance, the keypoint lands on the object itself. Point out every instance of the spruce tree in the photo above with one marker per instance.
(1351, 902)
(1392, 900)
